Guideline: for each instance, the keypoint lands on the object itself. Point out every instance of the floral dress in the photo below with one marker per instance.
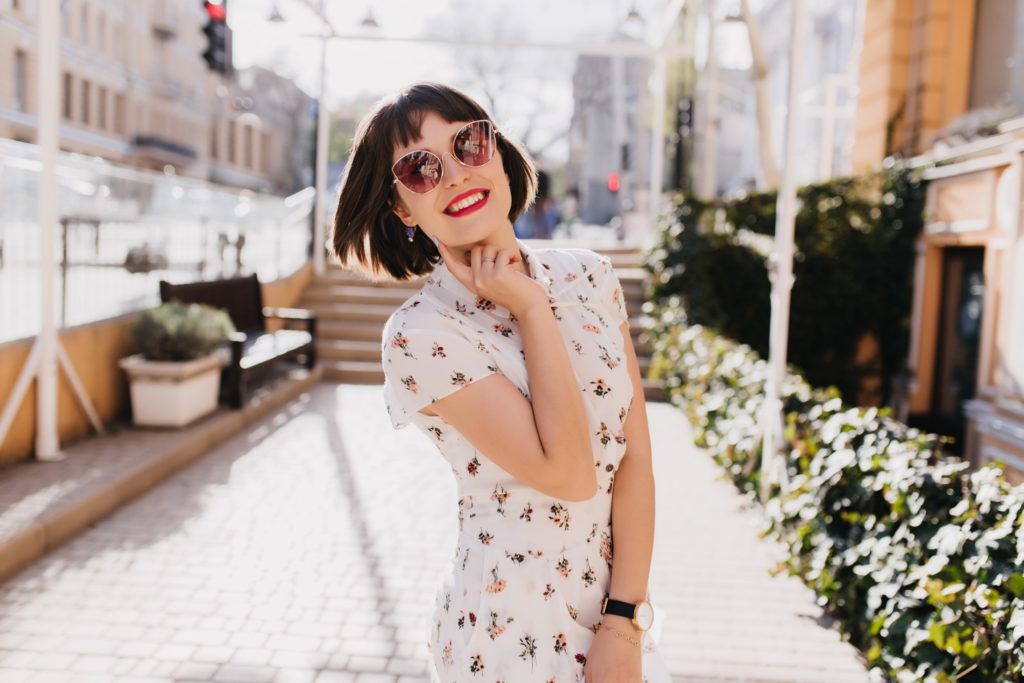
(522, 601)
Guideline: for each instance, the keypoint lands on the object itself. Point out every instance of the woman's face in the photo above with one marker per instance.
(434, 212)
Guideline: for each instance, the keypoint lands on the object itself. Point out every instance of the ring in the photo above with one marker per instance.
(490, 259)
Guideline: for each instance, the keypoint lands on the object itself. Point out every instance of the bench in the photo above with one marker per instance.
(253, 349)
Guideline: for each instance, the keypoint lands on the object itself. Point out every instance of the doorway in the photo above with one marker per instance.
(957, 342)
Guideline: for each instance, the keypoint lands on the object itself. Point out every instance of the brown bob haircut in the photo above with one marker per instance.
(367, 236)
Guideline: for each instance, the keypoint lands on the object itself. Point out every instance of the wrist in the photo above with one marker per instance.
(619, 621)
(533, 311)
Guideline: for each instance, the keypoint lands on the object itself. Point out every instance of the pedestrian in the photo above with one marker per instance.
(517, 364)
(540, 219)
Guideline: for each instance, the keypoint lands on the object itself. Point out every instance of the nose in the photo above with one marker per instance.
(454, 172)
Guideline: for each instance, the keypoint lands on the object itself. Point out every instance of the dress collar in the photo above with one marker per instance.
(446, 282)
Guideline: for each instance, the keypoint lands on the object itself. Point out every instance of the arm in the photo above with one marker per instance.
(632, 502)
(544, 444)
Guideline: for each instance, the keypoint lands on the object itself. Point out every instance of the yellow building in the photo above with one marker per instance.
(943, 81)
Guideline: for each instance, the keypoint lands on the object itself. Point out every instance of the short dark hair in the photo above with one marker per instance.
(367, 236)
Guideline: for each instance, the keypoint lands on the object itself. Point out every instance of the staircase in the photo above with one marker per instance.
(351, 312)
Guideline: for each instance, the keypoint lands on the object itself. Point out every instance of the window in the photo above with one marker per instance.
(67, 95)
(101, 34)
(86, 86)
(119, 110)
(20, 80)
(83, 26)
(247, 149)
(265, 152)
(231, 142)
(214, 139)
(101, 103)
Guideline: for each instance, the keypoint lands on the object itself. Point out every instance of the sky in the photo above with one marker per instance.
(536, 88)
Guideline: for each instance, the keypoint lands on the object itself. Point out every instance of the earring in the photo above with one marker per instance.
(409, 232)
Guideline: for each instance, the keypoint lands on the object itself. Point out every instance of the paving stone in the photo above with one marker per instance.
(253, 563)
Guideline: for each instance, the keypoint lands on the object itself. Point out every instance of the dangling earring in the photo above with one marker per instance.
(409, 232)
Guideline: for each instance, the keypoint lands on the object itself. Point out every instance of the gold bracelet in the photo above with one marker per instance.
(620, 634)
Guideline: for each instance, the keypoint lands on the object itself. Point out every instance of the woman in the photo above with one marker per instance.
(518, 365)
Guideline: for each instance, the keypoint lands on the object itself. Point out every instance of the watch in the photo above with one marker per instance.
(641, 613)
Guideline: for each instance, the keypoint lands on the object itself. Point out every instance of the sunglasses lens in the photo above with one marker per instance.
(474, 144)
(418, 171)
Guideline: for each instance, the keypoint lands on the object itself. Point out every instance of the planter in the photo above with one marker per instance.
(173, 393)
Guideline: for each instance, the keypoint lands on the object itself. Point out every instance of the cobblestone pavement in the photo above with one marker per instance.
(308, 548)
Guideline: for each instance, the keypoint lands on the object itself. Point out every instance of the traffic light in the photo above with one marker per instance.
(216, 32)
(613, 181)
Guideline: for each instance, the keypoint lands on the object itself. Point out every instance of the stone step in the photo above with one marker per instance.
(330, 311)
(349, 329)
(358, 294)
(335, 275)
(349, 349)
(353, 371)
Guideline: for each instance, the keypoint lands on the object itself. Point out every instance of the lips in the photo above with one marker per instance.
(467, 202)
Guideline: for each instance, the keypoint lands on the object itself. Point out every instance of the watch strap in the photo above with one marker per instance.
(618, 608)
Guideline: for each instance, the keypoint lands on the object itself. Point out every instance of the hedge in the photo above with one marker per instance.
(853, 263)
(920, 560)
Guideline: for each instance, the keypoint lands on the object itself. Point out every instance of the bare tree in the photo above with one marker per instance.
(505, 77)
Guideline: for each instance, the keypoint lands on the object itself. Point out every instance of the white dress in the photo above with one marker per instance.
(523, 598)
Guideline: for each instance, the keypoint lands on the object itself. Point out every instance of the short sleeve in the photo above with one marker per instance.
(609, 291)
(424, 365)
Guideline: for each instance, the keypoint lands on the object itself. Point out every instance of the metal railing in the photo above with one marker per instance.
(123, 229)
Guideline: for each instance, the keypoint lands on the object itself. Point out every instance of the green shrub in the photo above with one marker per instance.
(921, 561)
(175, 331)
(853, 263)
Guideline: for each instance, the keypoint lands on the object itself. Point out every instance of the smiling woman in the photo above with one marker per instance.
(518, 365)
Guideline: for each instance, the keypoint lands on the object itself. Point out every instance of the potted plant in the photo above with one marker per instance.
(175, 374)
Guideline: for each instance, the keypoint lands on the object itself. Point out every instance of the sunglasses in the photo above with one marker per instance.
(420, 171)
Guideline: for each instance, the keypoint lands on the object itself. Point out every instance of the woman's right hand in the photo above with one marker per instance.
(498, 281)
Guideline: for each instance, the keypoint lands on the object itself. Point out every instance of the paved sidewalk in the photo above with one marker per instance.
(308, 547)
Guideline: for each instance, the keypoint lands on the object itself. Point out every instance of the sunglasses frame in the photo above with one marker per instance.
(493, 141)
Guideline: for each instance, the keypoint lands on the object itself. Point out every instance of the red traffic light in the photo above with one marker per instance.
(613, 182)
(215, 10)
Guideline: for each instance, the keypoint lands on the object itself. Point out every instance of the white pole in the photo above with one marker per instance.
(708, 181)
(828, 123)
(322, 125)
(48, 89)
(657, 144)
(781, 266)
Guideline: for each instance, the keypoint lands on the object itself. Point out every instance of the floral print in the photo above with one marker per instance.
(521, 600)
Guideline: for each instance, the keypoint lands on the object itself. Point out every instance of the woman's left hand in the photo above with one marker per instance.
(613, 659)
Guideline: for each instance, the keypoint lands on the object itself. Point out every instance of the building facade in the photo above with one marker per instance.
(135, 90)
(825, 134)
(944, 85)
(609, 134)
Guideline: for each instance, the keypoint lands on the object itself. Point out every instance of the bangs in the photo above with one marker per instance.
(404, 115)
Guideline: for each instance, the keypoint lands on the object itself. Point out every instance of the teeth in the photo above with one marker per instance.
(468, 201)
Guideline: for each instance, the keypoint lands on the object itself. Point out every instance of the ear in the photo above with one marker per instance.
(402, 211)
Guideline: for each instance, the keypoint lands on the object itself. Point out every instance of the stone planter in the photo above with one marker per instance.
(173, 393)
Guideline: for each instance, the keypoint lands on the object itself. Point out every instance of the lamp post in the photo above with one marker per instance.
(322, 130)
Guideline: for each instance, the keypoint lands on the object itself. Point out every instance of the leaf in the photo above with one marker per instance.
(1015, 584)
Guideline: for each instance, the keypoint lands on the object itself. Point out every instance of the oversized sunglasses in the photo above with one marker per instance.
(420, 171)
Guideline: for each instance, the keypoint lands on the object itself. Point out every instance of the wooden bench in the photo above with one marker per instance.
(253, 349)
